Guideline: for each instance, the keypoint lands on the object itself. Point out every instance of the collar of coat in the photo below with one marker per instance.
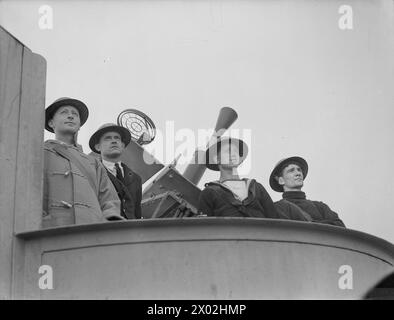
(52, 143)
(111, 166)
(128, 174)
(249, 183)
(294, 195)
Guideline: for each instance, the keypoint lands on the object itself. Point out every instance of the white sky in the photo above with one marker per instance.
(299, 83)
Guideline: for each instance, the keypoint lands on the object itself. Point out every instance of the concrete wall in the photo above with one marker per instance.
(22, 100)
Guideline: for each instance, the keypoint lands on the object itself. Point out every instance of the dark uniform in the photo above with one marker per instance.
(294, 203)
(218, 200)
(129, 189)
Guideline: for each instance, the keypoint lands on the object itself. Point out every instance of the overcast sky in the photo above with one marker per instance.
(300, 84)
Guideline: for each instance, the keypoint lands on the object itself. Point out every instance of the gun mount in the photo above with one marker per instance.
(170, 194)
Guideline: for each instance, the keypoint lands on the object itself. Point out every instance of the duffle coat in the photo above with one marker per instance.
(70, 197)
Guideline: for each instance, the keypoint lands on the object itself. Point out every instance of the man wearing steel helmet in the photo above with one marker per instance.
(77, 189)
(288, 177)
(109, 141)
(232, 196)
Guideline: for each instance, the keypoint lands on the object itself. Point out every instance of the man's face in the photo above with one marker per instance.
(65, 120)
(110, 145)
(292, 177)
(228, 156)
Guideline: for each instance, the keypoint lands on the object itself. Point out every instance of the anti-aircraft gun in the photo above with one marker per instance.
(170, 194)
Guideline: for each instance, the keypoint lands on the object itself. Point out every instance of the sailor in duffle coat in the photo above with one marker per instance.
(77, 189)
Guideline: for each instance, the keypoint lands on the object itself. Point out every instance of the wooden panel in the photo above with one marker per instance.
(22, 103)
(11, 52)
(29, 178)
(29, 170)
(26, 286)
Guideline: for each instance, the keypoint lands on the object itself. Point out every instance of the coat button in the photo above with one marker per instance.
(67, 173)
(66, 204)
